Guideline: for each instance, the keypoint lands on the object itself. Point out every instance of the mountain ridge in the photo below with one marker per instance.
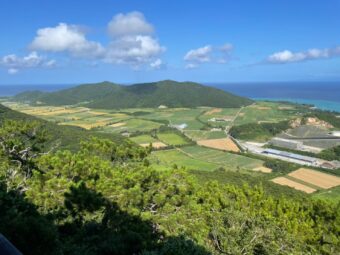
(152, 94)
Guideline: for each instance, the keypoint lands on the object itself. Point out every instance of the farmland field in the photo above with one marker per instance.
(316, 178)
(204, 125)
(228, 160)
(202, 135)
(171, 157)
(295, 185)
(263, 112)
(143, 139)
(226, 144)
(171, 138)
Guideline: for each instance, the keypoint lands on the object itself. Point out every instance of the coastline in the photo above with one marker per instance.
(320, 104)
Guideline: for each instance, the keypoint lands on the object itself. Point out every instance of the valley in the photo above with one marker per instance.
(203, 139)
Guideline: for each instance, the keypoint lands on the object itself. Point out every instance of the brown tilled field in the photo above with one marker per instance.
(221, 144)
(295, 185)
(155, 145)
(322, 180)
(215, 110)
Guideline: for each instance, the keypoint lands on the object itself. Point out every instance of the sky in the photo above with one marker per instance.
(125, 41)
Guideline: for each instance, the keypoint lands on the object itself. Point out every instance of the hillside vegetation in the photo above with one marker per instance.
(108, 95)
(105, 197)
(62, 137)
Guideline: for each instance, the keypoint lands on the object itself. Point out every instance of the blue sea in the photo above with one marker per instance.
(324, 95)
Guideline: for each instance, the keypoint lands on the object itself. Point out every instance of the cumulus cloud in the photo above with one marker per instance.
(157, 64)
(207, 54)
(131, 43)
(68, 38)
(133, 50)
(132, 23)
(287, 56)
(33, 60)
(199, 55)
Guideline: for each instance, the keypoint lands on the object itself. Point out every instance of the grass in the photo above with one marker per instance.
(203, 135)
(331, 194)
(267, 112)
(227, 160)
(171, 138)
(133, 125)
(141, 139)
(170, 158)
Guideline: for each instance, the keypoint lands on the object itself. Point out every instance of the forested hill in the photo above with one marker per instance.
(108, 95)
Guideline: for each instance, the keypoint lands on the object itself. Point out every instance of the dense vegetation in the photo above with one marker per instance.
(104, 199)
(107, 95)
(258, 131)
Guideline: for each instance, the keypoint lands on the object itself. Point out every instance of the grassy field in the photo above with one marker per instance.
(227, 160)
(171, 138)
(142, 139)
(267, 112)
(169, 158)
(202, 135)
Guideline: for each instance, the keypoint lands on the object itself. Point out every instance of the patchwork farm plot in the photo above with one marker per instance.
(228, 160)
(204, 135)
(308, 180)
(208, 127)
(226, 144)
(263, 112)
(171, 138)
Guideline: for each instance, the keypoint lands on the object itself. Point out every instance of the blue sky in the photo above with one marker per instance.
(137, 41)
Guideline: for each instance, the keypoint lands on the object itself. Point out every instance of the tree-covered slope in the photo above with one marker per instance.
(67, 137)
(108, 96)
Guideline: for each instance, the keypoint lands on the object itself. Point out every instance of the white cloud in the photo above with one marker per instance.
(68, 38)
(199, 55)
(132, 23)
(33, 60)
(207, 54)
(157, 64)
(287, 56)
(132, 42)
(133, 50)
(13, 71)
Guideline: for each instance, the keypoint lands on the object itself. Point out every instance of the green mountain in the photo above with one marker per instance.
(108, 95)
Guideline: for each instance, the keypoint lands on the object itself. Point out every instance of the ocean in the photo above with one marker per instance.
(324, 95)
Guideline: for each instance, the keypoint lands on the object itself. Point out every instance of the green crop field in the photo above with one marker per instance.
(267, 112)
(143, 139)
(132, 125)
(169, 158)
(225, 159)
(197, 135)
(171, 138)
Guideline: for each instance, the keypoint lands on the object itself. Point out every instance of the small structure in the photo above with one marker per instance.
(286, 143)
(335, 133)
(180, 126)
(162, 107)
(293, 156)
(125, 133)
(215, 129)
